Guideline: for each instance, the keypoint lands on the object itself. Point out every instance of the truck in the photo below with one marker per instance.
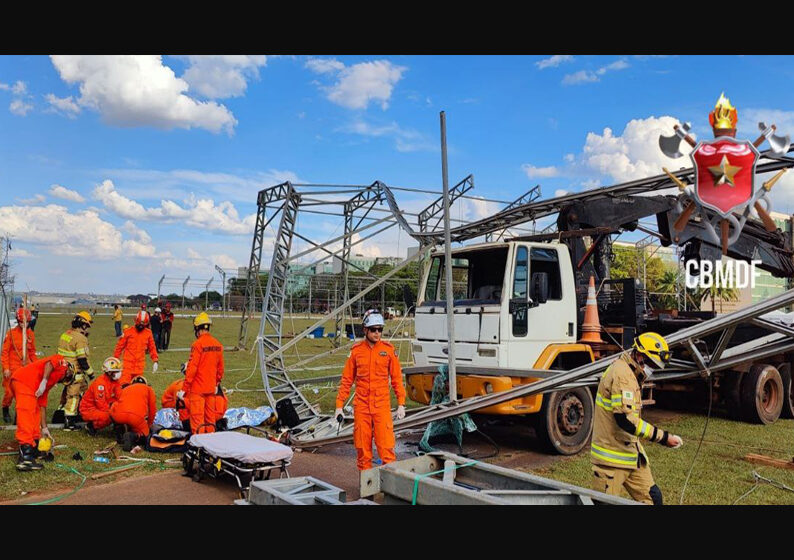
(518, 314)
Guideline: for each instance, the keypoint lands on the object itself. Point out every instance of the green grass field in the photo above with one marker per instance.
(243, 388)
(720, 474)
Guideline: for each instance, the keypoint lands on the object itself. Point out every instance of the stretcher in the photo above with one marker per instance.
(244, 457)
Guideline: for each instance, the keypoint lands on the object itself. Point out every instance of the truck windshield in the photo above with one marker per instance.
(477, 277)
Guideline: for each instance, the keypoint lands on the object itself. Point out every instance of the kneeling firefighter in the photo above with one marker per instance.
(73, 346)
(618, 458)
(371, 364)
(101, 394)
(134, 411)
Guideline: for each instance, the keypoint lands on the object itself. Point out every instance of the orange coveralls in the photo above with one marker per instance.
(96, 401)
(12, 358)
(370, 367)
(131, 348)
(169, 401)
(204, 372)
(24, 382)
(135, 408)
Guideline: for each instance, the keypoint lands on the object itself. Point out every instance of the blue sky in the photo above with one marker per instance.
(117, 170)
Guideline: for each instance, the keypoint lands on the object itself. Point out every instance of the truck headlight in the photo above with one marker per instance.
(486, 352)
(488, 388)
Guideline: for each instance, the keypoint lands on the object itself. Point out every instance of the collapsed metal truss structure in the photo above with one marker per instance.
(289, 200)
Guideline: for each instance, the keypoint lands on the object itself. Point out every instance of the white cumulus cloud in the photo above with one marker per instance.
(197, 212)
(554, 61)
(360, 84)
(539, 172)
(221, 76)
(139, 90)
(20, 107)
(63, 105)
(57, 191)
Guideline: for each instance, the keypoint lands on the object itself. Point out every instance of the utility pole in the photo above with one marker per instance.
(223, 297)
(453, 379)
(183, 291)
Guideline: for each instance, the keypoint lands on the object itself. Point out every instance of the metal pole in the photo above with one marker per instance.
(223, 296)
(159, 285)
(453, 380)
(207, 294)
(183, 290)
(309, 307)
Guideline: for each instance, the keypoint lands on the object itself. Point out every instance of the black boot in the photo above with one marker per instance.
(27, 459)
(128, 441)
(70, 424)
(89, 427)
(118, 431)
(6, 415)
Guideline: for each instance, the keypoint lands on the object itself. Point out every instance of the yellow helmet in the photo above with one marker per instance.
(111, 364)
(202, 319)
(654, 346)
(45, 444)
(83, 317)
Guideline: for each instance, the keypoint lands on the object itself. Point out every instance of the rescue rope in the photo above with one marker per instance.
(700, 443)
(419, 477)
(758, 480)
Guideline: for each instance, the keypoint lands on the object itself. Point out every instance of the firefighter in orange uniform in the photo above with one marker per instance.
(101, 394)
(132, 347)
(135, 410)
(13, 349)
(31, 385)
(202, 376)
(371, 364)
(170, 400)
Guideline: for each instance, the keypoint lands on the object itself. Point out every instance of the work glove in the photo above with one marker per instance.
(400, 412)
(42, 388)
(674, 441)
(155, 365)
(338, 414)
(180, 395)
(6, 374)
(45, 432)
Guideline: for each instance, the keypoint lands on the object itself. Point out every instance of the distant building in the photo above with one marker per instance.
(358, 260)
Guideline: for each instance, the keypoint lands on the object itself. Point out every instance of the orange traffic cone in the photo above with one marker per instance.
(591, 326)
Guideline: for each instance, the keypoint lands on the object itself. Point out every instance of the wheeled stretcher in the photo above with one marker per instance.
(242, 456)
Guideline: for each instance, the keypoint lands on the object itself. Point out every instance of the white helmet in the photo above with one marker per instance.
(158, 310)
(373, 319)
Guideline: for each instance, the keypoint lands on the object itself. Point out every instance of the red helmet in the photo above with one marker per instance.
(168, 305)
(23, 315)
(142, 318)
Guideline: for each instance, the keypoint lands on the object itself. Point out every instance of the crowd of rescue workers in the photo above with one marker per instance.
(120, 397)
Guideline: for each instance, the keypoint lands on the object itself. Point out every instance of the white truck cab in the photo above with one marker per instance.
(515, 309)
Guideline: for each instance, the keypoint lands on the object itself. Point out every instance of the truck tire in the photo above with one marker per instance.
(565, 421)
(762, 394)
(788, 390)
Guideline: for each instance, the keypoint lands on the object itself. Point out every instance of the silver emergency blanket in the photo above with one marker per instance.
(168, 418)
(242, 447)
(243, 416)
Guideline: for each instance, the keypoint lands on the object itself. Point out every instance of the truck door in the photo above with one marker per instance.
(533, 324)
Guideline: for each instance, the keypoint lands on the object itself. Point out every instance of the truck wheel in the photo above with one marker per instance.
(565, 420)
(788, 390)
(762, 394)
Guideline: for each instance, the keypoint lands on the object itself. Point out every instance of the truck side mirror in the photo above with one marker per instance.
(539, 287)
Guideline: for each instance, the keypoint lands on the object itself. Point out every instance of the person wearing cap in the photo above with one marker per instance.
(132, 348)
(203, 376)
(101, 394)
(373, 363)
(117, 317)
(617, 456)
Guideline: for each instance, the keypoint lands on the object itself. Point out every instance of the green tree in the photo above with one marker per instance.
(626, 264)
(715, 293)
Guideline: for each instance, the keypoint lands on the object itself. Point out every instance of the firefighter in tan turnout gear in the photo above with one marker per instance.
(618, 459)
(73, 346)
